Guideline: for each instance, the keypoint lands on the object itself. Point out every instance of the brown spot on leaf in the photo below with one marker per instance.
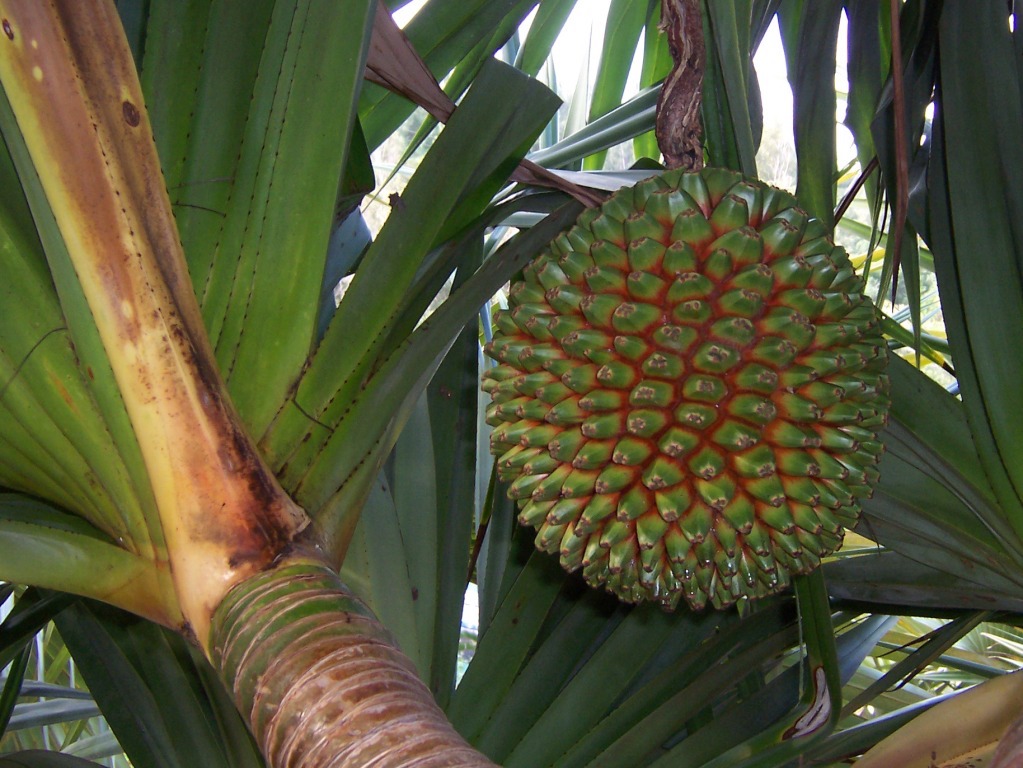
(131, 114)
(64, 394)
(7, 30)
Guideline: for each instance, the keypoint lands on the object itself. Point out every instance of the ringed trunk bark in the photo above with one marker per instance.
(321, 682)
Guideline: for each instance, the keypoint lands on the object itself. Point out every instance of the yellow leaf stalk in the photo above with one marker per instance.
(966, 726)
(70, 80)
(317, 677)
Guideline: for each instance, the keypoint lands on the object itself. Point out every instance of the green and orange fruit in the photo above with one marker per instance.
(688, 392)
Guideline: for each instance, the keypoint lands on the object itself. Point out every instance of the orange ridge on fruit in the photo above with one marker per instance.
(689, 390)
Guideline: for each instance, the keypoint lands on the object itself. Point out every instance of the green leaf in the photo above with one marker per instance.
(697, 680)
(505, 646)
(368, 429)
(732, 76)
(810, 34)
(768, 734)
(43, 713)
(888, 580)
(133, 15)
(347, 244)
(50, 690)
(976, 225)
(456, 178)
(866, 67)
(12, 686)
(50, 548)
(268, 254)
(198, 75)
(64, 433)
(97, 747)
(621, 124)
(165, 705)
(375, 568)
(934, 493)
(909, 265)
(547, 24)
(657, 63)
(904, 669)
(918, 23)
(32, 612)
(536, 704)
(589, 690)
(453, 404)
(626, 20)
(499, 531)
(37, 758)
(412, 468)
(921, 517)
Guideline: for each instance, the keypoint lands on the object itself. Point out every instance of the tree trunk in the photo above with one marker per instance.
(321, 682)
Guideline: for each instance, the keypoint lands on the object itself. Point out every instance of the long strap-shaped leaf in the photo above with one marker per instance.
(810, 720)
(323, 441)
(625, 22)
(64, 433)
(809, 31)
(48, 548)
(975, 223)
(37, 758)
(70, 79)
(160, 700)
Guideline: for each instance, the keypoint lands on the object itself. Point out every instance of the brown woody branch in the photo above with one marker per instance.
(678, 106)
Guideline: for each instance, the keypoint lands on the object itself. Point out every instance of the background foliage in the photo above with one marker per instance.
(922, 603)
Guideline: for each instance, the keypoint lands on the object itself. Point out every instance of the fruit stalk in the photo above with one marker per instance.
(678, 126)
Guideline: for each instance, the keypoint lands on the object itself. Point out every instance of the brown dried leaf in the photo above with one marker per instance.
(394, 64)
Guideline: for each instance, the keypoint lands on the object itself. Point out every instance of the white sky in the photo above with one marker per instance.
(577, 52)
